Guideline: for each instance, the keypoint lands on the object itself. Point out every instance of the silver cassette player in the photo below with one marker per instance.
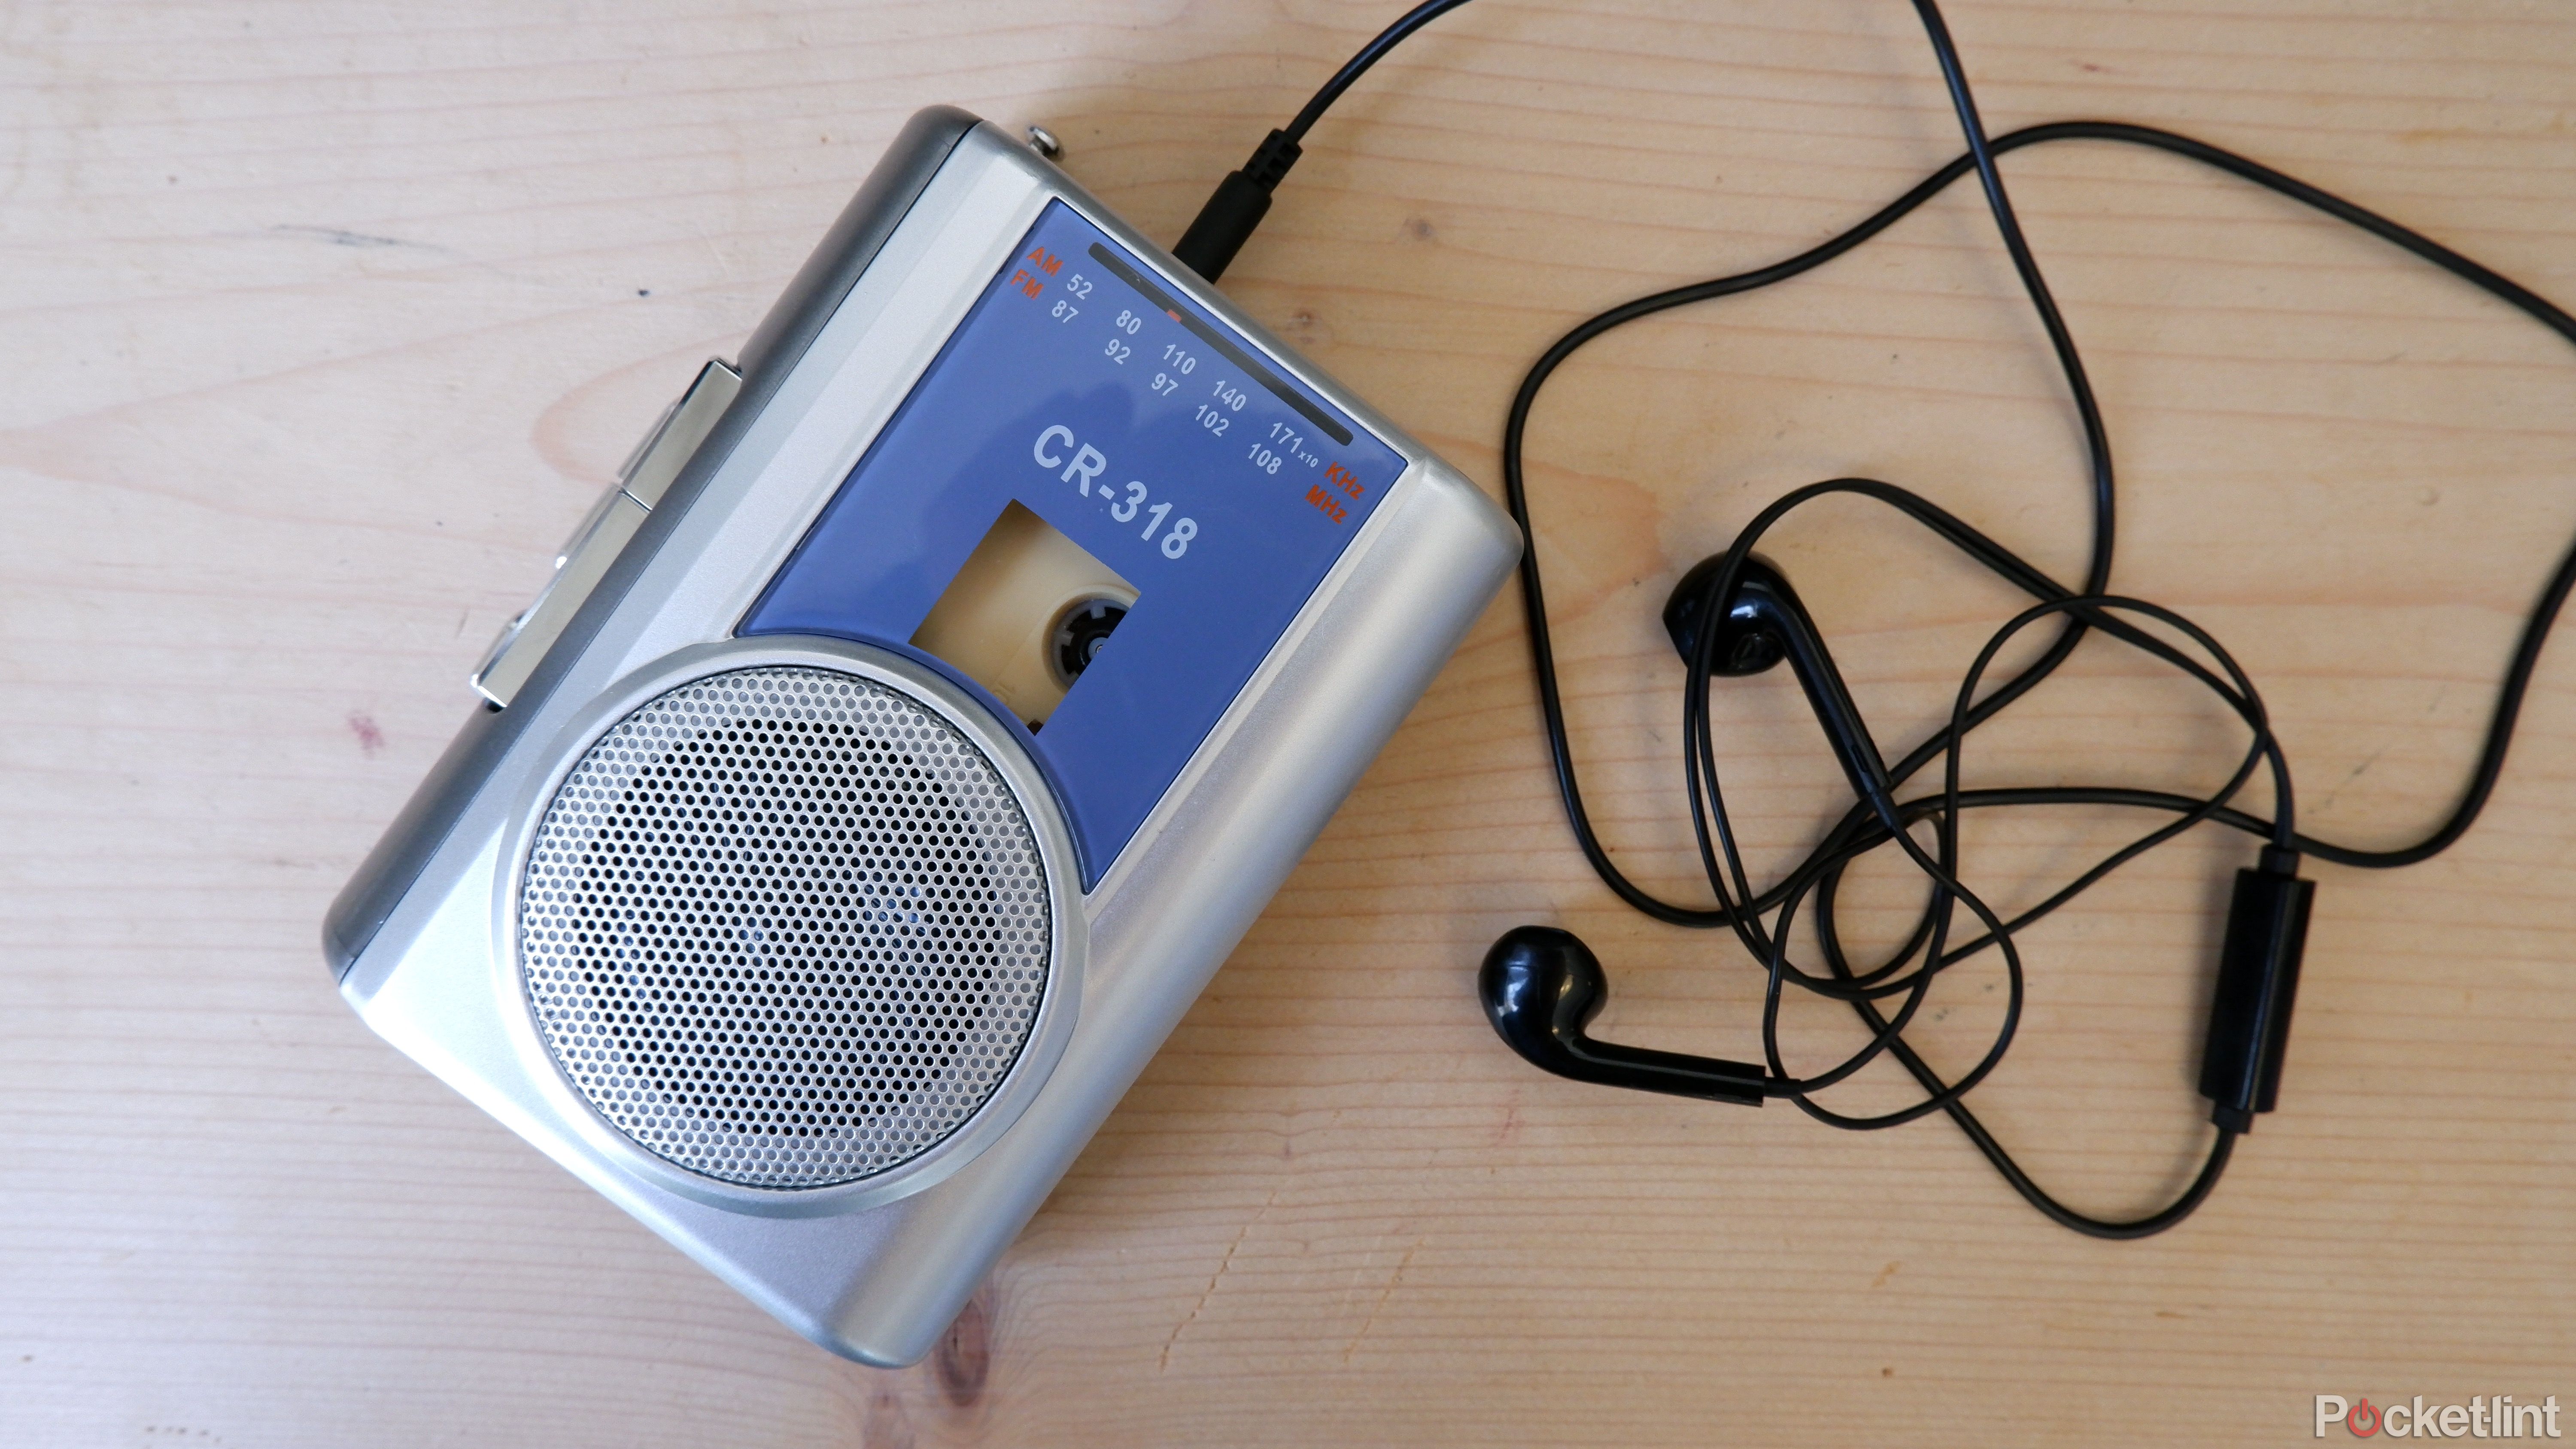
(908, 738)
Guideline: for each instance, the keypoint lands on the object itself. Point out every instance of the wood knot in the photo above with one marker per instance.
(965, 1357)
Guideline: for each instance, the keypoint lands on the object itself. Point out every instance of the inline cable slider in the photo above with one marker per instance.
(2258, 979)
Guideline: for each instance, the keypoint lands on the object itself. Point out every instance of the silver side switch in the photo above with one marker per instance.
(524, 644)
(646, 475)
(670, 446)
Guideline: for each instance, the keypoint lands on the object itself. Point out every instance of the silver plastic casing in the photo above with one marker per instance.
(422, 938)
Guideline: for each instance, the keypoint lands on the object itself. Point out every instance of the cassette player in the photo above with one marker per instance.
(904, 742)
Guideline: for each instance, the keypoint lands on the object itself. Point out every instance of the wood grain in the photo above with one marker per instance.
(327, 320)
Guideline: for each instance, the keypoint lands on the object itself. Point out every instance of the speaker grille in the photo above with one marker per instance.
(785, 927)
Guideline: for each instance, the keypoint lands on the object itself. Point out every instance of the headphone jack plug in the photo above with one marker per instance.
(1235, 211)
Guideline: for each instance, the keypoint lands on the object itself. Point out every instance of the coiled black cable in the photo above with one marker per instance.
(1762, 919)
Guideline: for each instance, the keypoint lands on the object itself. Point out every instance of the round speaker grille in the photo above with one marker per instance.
(785, 927)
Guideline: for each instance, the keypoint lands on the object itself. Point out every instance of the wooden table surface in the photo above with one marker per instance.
(325, 321)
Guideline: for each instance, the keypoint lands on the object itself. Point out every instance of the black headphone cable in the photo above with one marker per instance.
(1878, 817)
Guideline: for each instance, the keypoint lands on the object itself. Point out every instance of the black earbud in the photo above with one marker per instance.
(1542, 987)
(1762, 624)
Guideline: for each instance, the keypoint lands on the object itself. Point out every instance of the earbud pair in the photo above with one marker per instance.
(1542, 986)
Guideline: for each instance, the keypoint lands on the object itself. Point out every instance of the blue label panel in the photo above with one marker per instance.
(1150, 433)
